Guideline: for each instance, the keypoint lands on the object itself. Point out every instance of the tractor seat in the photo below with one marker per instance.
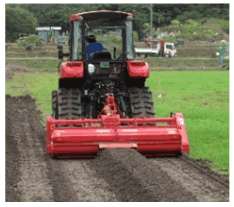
(102, 56)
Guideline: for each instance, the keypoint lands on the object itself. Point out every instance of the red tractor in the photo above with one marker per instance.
(102, 101)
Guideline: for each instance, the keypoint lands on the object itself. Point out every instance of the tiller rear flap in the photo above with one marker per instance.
(112, 130)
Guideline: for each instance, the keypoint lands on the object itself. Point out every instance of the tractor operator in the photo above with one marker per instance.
(93, 46)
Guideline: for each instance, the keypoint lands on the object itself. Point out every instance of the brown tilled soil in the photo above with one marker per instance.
(8, 73)
(12, 47)
(115, 175)
(13, 67)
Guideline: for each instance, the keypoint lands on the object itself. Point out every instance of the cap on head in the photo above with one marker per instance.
(91, 38)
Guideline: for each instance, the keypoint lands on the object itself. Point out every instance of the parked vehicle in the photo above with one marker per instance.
(168, 50)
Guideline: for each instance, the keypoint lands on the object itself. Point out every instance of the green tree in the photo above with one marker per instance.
(135, 36)
(225, 26)
(18, 20)
(191, 29)
(163, 14)
(146, 27)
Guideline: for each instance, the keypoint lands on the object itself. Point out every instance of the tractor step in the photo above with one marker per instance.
(117, 145)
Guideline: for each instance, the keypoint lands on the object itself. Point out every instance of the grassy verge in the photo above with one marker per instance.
(38, 85)
(47, 53)
(189, 49)
(34, 64)
(203, 98)
(154, 63)
(183, 64)
(188, 57)
(43, 51)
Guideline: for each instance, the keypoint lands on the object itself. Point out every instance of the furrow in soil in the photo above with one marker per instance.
(88, 187)
(204, 188)
(33, 184)
(132, 178)
(115, 175)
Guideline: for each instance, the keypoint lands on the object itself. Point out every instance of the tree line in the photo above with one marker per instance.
(23, 18)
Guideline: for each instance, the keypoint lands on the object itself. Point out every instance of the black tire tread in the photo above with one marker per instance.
(55, 104)
(142, 102)
(68, 103)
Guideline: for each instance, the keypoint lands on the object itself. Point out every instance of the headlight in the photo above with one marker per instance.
(91, 69)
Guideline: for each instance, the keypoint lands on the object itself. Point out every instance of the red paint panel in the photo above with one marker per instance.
(148, 134)
(169, 138)
(83, 134)
(73, 69)
(160, 147)
(138, 69)
(48, 130)
(182, 130)
(161, 42)
(71, 148)
(74, 17)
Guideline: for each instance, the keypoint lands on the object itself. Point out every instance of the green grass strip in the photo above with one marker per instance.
(203, 98)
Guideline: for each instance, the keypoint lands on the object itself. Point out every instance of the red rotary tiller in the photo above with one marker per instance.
(112, 130)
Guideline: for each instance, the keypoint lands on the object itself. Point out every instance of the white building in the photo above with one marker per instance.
(43, 32)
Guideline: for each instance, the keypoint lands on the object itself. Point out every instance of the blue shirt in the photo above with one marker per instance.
(94, 47)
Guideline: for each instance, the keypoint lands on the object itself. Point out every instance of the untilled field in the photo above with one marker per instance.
(115, 175)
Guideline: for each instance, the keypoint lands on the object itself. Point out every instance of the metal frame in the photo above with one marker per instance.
(83, 27)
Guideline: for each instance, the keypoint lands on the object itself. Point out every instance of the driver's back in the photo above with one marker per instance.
(94, 47)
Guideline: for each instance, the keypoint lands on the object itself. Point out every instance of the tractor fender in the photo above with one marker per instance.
(72, 69)
(138, 69)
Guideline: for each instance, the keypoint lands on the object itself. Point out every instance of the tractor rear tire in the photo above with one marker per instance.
(55, 104)
(69, 103)
(142, 102)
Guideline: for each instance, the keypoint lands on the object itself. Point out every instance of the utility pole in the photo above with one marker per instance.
(151, 22)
